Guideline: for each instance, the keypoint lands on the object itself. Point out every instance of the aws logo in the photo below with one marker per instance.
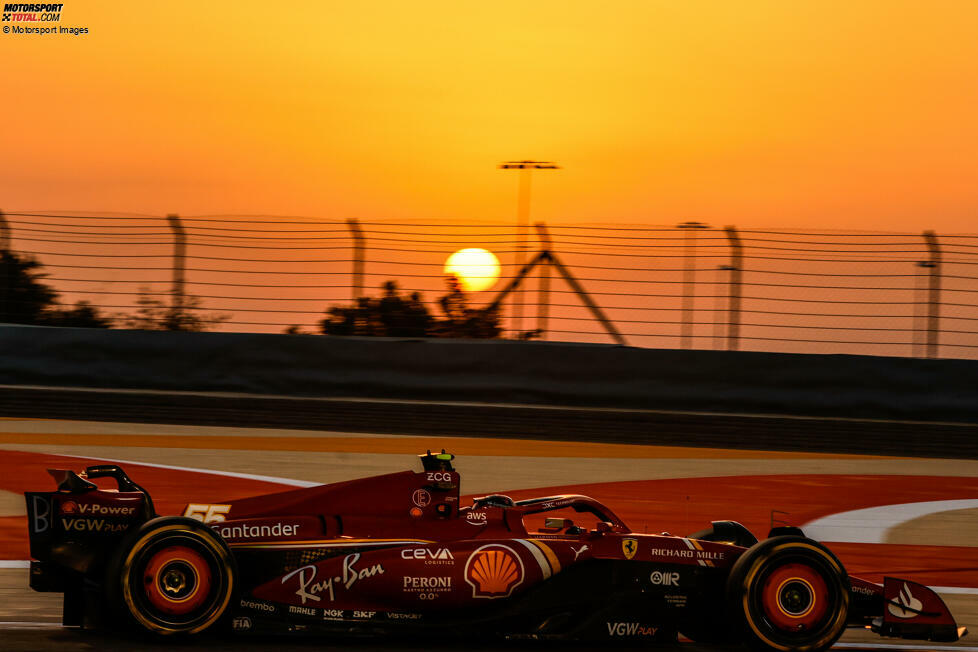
(493, 571)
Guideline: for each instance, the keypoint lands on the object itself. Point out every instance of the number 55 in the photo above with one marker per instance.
(207, 513)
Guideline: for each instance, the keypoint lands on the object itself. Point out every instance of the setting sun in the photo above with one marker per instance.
(477, 269)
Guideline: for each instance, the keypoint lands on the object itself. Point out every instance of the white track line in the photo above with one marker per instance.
(230, 474)
(871, 524)
(888, 646)
(18, 624)
(14, 563)
(955, 589)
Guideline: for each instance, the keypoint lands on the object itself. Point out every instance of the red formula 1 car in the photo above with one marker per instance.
(398, 554)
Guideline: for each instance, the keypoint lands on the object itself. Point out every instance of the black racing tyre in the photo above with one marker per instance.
(172, 576)
(788, 593)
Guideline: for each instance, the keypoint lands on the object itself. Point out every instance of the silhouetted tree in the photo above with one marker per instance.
(461, 320)
(154, 315)
(83, 315)
(395, 315)
(26, 299)
(390, 315)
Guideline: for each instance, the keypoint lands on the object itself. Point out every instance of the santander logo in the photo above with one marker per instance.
(906, 599)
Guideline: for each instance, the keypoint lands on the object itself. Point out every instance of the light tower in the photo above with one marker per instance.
(522, 226)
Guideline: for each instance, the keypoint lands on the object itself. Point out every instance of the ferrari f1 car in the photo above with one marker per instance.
(398, 553)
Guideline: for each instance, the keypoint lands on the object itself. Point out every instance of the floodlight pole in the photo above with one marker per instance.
(179, 265)
(358, 258)
(543, 302)
(733, 305)
(689, 277)
(522, 225)
(933, 293)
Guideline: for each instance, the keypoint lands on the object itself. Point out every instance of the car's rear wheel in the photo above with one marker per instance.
(788, 593)
(173, 575)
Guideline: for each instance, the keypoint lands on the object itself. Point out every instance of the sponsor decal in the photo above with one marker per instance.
(105, 510)
(402, 616)
(207, 513)
(906, 599)
(630, 629)
(427, 588)
(675, 600)
(332, 614)
(577, 553)
(92, 525)
(364, 615)
(664, 579)
(439, 476)
(862, 590)
(687, 554)
(70, 507)
(301, 611)
(256, 531)
(257, 605)
(437, 557)
(241, 623)
(629, 547)
(419, 583)
(40, 514)
(421, 498)
(310, 589)
(476, 518)
(493, 571)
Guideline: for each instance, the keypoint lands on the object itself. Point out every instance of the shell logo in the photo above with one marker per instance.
(69, 507)
(493, 571)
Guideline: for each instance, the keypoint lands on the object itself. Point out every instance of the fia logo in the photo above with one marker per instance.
(241, 623)
(629, 547)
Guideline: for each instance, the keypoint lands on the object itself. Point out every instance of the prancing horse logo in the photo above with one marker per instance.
(629, 547)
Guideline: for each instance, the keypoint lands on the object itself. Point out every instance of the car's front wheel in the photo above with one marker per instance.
(173, 575)
(788, 593)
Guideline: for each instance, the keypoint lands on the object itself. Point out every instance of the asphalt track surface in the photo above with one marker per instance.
(28, 621)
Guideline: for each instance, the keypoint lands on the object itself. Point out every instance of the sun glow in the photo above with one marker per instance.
(477, 269)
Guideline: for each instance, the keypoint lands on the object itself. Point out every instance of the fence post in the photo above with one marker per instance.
(4, 233)
(543, 307)
(933, 292)
(734, 290)
(179, 267)
(689, 279)
(359, 249)
(5, 253)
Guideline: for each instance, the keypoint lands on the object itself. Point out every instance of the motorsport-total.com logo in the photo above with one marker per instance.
(31, 13)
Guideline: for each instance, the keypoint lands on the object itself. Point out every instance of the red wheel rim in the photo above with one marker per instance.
(795, 597)
(177, 580)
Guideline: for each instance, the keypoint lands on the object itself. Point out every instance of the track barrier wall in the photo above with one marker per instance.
(510, 372)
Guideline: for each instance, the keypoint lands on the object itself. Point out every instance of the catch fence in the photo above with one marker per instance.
(675, 286)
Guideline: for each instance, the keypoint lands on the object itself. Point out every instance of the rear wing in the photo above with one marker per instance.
(70, 526)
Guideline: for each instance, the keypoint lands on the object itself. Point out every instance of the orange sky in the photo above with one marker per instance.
(828, 114)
